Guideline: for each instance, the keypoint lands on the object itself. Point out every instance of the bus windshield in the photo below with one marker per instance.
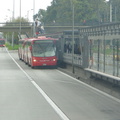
(43, 48)
(2, 42)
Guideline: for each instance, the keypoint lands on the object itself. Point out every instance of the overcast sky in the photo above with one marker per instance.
(6, 8)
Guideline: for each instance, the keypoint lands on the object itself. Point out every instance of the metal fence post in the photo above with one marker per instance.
(12, 39)
(85, 51)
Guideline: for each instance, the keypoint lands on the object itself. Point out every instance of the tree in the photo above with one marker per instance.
(61, 11)
(92, 11)
(115, 10)
(15, 22)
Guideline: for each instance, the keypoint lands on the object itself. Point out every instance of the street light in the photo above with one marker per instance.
(13, 8)
(72, 4)
(110, 11)
(73, 41)
(33, 18)
(20, 17)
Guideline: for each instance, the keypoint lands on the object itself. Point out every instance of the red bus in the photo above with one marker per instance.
(41, 51)
(2, 42)
(21, 48)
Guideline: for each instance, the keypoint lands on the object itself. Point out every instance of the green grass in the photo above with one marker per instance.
(10, 47)
(107, 51)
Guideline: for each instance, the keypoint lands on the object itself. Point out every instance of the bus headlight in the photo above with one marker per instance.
(34, 60)
(54, 60)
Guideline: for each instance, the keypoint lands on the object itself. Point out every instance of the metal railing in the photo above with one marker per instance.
(104, 47)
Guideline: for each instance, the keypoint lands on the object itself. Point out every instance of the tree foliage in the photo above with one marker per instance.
(14, 22)
(91, 11)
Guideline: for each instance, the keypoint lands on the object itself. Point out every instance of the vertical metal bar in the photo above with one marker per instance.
(98, 55)
(115, 13)
(81, 52)
(113, 56)
(6, 38)
(73, 40)
(117, 57)
(33, 18)
(62, 43)
(20, 16)
(12, 39)
(13, 9)
(86, 51)
(104, 53)
(90, 53)
(110, 11)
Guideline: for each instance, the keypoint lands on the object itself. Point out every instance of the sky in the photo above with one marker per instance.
(6, 8)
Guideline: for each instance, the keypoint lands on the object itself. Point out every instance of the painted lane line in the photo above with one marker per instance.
(95, 89)
(54, 106)
(19, 66)
(51, 103)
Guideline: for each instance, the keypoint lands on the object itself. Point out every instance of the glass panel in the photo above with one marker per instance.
(43, 48)
(2, 42)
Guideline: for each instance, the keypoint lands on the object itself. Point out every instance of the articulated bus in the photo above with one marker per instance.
(2, 42)
(41, 51)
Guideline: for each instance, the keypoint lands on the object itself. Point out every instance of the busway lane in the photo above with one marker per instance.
(76, 99)
(19, 99)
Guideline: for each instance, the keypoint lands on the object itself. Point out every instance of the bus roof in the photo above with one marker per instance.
(2, 39)
(37, 38)
(41, 38)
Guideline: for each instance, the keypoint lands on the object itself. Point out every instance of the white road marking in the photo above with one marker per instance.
(53, 105)
(95, 89)
(59, 112)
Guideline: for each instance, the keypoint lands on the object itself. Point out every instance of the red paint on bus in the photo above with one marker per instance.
(39, 51)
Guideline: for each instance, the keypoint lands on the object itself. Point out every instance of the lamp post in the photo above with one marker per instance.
(33, 18)
(115, 13)
(20, 17)
(13, 9)
(72, 4)
(110, 11)
(73, 40)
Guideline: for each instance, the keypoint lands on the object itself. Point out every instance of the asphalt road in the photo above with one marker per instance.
(49, 94)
